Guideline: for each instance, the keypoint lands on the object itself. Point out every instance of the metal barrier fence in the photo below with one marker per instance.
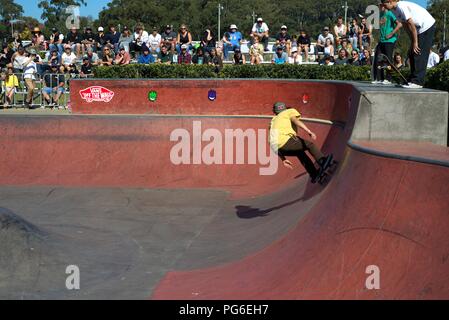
(19, 96)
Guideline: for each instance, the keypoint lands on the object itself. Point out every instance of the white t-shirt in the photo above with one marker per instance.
(143, 38)
(322, 39)
(446, 55)
(260, 29)
(30, 70)
(154, 41)
(421, 17)
(434, 59)
(68, 59)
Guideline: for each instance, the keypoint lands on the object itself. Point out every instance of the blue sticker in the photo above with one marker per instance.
(212, 95)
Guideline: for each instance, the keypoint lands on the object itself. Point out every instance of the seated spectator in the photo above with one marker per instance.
(343, 58)
(68, 60)
(56, 41)
(284, 40)
(294, 41)
(125, 39)
(199, 57)
(54, 58)
(328, 61)
(340, 31)
(446, 55)
(88, 40)
(353, 33)
(38, 39)
(86, 68)
(54, 87)
(365, 34)
(231, 40)
(184, 57)
(280, 56)
(154, 41)
(434, 59)
(93, 57)
(184, 38)
(169, 38)
(113, 38)
(295, 57)
(344, 44)
(122, 57)
(366, 58)
(398, 61)
(216, 60)
(74, 40)
(322, 39)
(100, 40)
(146, 57)
(107, 59)
(140, 40)
(6, 57)
(355, 61)
(208, 41)
(10, 84)
(239, 58)
(164, 57)
(329, 49)
(261, 31)
(256, 52)
(304, 44)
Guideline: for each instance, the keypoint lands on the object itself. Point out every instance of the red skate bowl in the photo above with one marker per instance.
(272, 237)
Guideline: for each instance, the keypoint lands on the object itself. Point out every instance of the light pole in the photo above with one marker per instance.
(220, 7)
(254, 17)
(346, 11)
(12, 25)
(444, 28)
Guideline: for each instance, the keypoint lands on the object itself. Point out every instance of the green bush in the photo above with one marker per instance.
(438, 77)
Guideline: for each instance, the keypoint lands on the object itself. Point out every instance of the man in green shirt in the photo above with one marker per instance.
(389, 28)
(164, 56)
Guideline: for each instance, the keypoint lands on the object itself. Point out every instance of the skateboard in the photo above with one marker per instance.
(385, 63)
(327, 170)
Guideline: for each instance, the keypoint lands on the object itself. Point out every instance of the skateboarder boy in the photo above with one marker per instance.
(420, 26)
(285, 141)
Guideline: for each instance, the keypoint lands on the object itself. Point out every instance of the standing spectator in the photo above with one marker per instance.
(231, 40)
(74, 40)
(100, 40)
(11, 84)
(295, 57)
(113, 38)
(184, 38)
(38, 39)
(322, 38)
(421, 30)
(184, 57)
(169, 38)
(5, 57)
(343, 58)
(340, 31)
(146, 57)
(280, 56)
(154, 41)
(140, 40)
(329, 50)
(86, 68)
(365, 34)
(355, 61)
(125, 39)
(260, 30)
(304, 44)
(239, 58)
(57, 41)
(88, 40)
(398, 61)
(29, 75)
(284, 40)
(434, 59)
(68, 59)
(353, 33)
(107, 59)
(164, 57)
(208, 41)
(256, 52)
(199, 57)
(18, 59)
(389, 27)
(122, 57)
(216, 60)
(54, 87)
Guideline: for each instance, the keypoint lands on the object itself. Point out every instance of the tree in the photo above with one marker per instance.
(10, 10)
(437, 8)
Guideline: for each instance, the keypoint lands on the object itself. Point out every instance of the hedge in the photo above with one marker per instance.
(437, 78)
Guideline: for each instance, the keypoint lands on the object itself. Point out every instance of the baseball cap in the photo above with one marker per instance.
(279, 48)
(100, 29)
(54, 29)
(259, 20)
(184, 46)
(278, 107)
(284, 27)
(168, 26)
(233, 26)
(294, 49)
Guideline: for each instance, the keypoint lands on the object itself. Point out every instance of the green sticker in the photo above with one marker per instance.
(152, 96)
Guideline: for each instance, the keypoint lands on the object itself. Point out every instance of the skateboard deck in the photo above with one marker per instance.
(385, 63)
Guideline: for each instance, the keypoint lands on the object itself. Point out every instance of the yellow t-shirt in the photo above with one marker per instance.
(12, 82)
(282, 128)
